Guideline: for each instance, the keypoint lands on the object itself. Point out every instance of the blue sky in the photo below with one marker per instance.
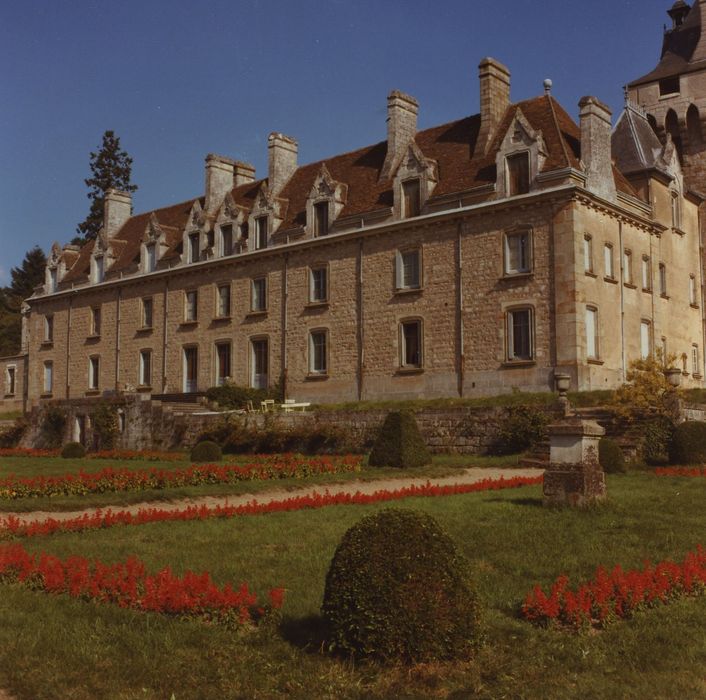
(177, 80)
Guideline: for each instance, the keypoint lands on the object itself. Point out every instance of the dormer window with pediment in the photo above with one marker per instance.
(230, 228)
(99, 258)
(520, 157)
(154, 244)
(197, 238)
(54, 270)
(266, 216)
(325, 202)
(414, 183)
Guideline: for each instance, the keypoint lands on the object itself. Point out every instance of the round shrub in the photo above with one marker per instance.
(688, 444)
(73, 450)
(398, 590)
(399, 443)
(206, 451)
(611, 457)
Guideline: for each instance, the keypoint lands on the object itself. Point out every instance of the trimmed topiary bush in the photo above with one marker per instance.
(399, 443)
(688, 444)
(73, 450)
(398, 590)
(611, 457)
(206, 451)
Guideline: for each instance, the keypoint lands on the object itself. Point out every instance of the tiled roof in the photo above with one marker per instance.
(635, 145)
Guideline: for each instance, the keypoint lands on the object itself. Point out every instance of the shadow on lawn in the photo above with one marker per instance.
(307, 633)
(535, 502)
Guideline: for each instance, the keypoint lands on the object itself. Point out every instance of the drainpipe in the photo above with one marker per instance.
(361, 331)
(702, 354)
(622, 299)
(117, 338)
(459, 310)
(165, 309)
(68, 345)
(285, 298)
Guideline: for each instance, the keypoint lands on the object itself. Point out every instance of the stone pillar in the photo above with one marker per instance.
(574, 476)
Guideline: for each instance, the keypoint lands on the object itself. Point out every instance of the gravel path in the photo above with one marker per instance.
(469, 476)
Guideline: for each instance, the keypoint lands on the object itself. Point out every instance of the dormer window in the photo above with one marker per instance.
(98, 269)
(150, 257)
(321, 218)
(194, 249)
(53, 280)
(261, 229)
(411, 201)
(226, 240)
(517, 174)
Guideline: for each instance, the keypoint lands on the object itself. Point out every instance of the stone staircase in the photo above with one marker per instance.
(179, 403)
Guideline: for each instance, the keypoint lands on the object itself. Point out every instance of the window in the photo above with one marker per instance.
(259, 363)
(692, 290)
(227, 239)
(222, 363)
(318, 361)
(145, 367)
(320, 218)
(669, 86)
(519, 335)
(191, 302)
(93, 372)
(646, 273)
(608, 261)
(318, 284)
(49, 329)
(10, 380)
(411, 344)
(147, 312)
(258, 294)
(261, 226)
(409, 269)
(98, 269)
(223, 300)
(627, 266)
(695, 367)
(517, 174)
(48, 376)
(518, 253)
(591, 333)
(411, 201)
(150, 257)
(194, 251)
(587, 254)
(96, 321)
(663, 279)
(645, 339)
(191, 369)
(676, 211)
(53, 280)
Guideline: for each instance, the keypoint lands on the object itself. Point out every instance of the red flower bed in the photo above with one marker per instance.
(128, 585)
(679, 471)
(108, 518)
(617, 594)
(111, 479)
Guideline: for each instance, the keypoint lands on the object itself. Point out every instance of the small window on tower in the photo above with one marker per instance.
(669, 86)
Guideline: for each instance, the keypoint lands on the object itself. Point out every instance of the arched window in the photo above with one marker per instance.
(671, 125)
(693, 126)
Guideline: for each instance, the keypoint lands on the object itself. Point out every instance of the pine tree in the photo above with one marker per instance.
(111, 168)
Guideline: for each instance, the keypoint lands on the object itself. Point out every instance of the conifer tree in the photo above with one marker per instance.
(111, 167)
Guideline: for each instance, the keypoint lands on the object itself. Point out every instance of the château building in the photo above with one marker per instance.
(476, 257)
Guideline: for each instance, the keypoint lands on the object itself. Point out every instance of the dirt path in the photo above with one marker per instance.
(469, 476)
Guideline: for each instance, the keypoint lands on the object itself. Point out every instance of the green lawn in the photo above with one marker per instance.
(56, 647)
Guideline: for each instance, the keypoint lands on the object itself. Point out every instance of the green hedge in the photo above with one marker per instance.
(688, 444)
(399, 443)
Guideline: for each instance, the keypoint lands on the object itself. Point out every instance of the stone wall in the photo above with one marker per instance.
(12, 382)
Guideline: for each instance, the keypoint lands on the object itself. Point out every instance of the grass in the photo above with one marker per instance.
(52, 646)
(442, 465)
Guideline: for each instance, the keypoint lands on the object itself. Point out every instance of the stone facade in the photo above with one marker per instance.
(13, 378)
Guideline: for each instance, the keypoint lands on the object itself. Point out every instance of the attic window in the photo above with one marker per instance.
(669, 86)
(261, 232)
(411, 204)
(98, 269)
(518, 174)
(321, 218)
(53, 280)
(193, 247)
(227, 239)
(150, 257)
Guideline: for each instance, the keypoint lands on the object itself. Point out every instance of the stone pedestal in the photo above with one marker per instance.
(574, 476)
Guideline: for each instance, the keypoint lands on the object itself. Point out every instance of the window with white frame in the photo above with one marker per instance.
(408, 272)
(318, 284)
(96, 321)
(194, 247)
(53, 280)
(645, 339)
(520, 332)
(411, 344)
(411, 198)
(147, 307)
(587, 253)
(145, 368)
(663, 279)
(517, 174)
(627, 266)
(695, 364)
(591, 332)
(191, 304)
(518, 252)
(150, 257)
(98, 269)
(259, 363)
(692, 290)
(261, 231)
(10, 380)
(226, 240)
(608, 261)
(646, 269)
(93, 372)
(223, 354)
(318, 350)
(258, 294)
(223, 301)
(48, 376)
(49, 328)
(321, 222)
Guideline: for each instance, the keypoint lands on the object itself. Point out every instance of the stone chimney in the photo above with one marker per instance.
(594, 119)
(243, 173)
(282, 161)
(494, 100)
(117, 209)
(402, 113)
(219, 180)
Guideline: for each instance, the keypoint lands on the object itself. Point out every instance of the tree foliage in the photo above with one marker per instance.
(111, 168)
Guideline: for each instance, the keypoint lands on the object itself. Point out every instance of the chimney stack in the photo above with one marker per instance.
(594, 119)
(282, 161)
(117, 209)
(243, 173)
(219, 180)
(494, 100)
(402, 113)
